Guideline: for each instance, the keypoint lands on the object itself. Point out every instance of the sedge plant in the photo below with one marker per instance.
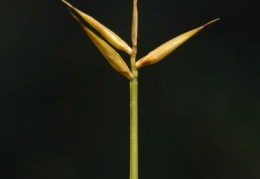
(116, 61)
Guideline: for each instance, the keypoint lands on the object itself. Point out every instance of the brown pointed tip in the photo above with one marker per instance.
(76, 18)
(210, 22)
(68, 4)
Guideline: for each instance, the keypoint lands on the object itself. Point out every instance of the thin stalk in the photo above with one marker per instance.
(134, 129)
(134, 99)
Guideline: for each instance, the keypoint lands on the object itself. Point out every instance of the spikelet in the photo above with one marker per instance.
(165, 49)
(108, 52)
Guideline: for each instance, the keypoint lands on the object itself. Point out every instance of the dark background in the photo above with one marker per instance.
(64, 111)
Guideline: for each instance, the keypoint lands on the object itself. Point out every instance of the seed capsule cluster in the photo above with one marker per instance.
(112, 38)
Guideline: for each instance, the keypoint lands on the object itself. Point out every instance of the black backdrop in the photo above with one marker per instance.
(64, 110)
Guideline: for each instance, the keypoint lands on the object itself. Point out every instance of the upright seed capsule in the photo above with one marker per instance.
(166, 48)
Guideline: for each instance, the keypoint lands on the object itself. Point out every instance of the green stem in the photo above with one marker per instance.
(134, 99)
(134, 129)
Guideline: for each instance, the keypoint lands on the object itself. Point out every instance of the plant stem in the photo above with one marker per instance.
(134, 129)
(134, 99)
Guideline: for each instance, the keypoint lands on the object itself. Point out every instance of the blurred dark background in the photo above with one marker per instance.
(64, 112)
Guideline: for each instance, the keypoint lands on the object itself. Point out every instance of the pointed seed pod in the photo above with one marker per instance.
(166, 48)
(110, 36)
(134, 24)
(108, 52)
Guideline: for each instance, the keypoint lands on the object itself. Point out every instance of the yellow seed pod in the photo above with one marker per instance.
(110, 36)
(110, 54)
(165, 49)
